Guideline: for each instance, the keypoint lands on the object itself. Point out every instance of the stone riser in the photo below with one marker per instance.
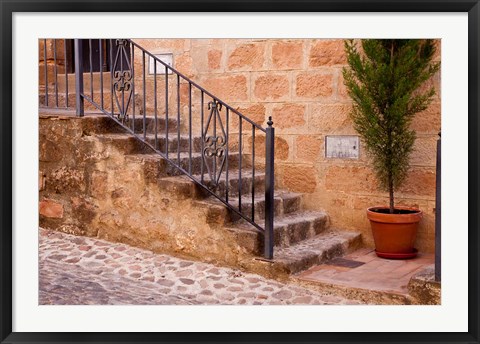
(184, 186)
(282, 205)
(128, 144)
(107, 102)
(149, 126)
(317, 251)
(287, 231)
(234, 186)
(88, 79)
(155, 168)
(173, 144)
(98, 123)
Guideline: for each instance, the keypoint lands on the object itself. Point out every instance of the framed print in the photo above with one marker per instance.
(207, 178)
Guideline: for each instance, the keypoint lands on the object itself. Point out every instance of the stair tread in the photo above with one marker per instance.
(314, 246)
(247, 199)
(245, 172)
(171, 136)
(284, 220)
(47, 111)
(172, 156)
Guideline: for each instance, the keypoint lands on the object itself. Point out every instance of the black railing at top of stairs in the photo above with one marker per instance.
(124, 68)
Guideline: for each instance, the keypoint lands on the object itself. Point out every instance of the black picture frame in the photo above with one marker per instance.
(8, 7)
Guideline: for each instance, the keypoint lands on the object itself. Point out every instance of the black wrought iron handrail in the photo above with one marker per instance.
(119, 57)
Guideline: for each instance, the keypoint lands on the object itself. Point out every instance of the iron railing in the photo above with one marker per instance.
(166, 110)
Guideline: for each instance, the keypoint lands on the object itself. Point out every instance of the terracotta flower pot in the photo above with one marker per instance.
(394, 234)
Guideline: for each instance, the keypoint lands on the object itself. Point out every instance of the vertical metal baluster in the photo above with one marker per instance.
(155, 101)
(202, 136)
(79, 106)
(46, 70)
(269, 189)
(215, 109)
(112, 73)
(55, 70)
(122, 113)
(90, 53)
(178, 119)
(66, 71)
(144, 99)
(240, 165)
(166, 109)
(438, 212)
(100, 50)
(226, 155)
(190, 127)
(132, 96)
(253, 172)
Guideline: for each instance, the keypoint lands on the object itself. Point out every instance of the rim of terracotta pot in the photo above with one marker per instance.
(414, 217)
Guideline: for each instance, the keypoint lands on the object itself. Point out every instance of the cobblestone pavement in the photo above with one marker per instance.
(80, 270)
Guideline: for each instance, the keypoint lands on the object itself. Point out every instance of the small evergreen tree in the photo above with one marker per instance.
(383, 83)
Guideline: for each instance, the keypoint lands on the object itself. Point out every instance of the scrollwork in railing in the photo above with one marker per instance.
(122, 80)
(215, 146)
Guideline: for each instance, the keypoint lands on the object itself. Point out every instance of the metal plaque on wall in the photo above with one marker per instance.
(166, 58)
(342, 146)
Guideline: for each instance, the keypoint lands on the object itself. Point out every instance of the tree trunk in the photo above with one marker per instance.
(390, 187)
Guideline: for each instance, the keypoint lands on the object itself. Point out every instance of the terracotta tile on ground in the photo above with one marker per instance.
(376, 274)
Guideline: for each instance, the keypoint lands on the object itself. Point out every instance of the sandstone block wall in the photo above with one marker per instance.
(89, 187)
(299, 83)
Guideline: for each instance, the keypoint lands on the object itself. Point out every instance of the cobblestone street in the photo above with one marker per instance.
(79, 270)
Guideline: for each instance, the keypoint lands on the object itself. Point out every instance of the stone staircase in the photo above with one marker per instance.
(302, 237)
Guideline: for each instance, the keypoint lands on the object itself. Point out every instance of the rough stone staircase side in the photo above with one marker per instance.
(302, 238)
(61, 92)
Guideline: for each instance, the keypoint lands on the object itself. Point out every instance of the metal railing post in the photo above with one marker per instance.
(79, 78)
(269, 189)
(438, 213)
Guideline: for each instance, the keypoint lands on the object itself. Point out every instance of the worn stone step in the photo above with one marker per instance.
(130, 145)
(184, 185)
(155, 166)
(62, 101)
(239, 182)
(285, 202)
(316, 250)
(96, 78)
(138, 126)
(287, 230)
(108, 125)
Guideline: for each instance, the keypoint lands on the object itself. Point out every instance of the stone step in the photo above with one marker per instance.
(185, 186)
(96, 78)
(155, 167)
(62, 101)
(131, 145)
(315, 251)
(234, 186)
(284, 203)
(287, 230)
(138, 127)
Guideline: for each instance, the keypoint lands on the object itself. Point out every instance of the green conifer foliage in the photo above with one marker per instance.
(384, 83)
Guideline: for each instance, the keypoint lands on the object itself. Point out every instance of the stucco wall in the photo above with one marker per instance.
(299, 83)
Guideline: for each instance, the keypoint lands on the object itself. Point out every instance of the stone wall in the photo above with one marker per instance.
(89, 186)
(299, 83)
(47, 57)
